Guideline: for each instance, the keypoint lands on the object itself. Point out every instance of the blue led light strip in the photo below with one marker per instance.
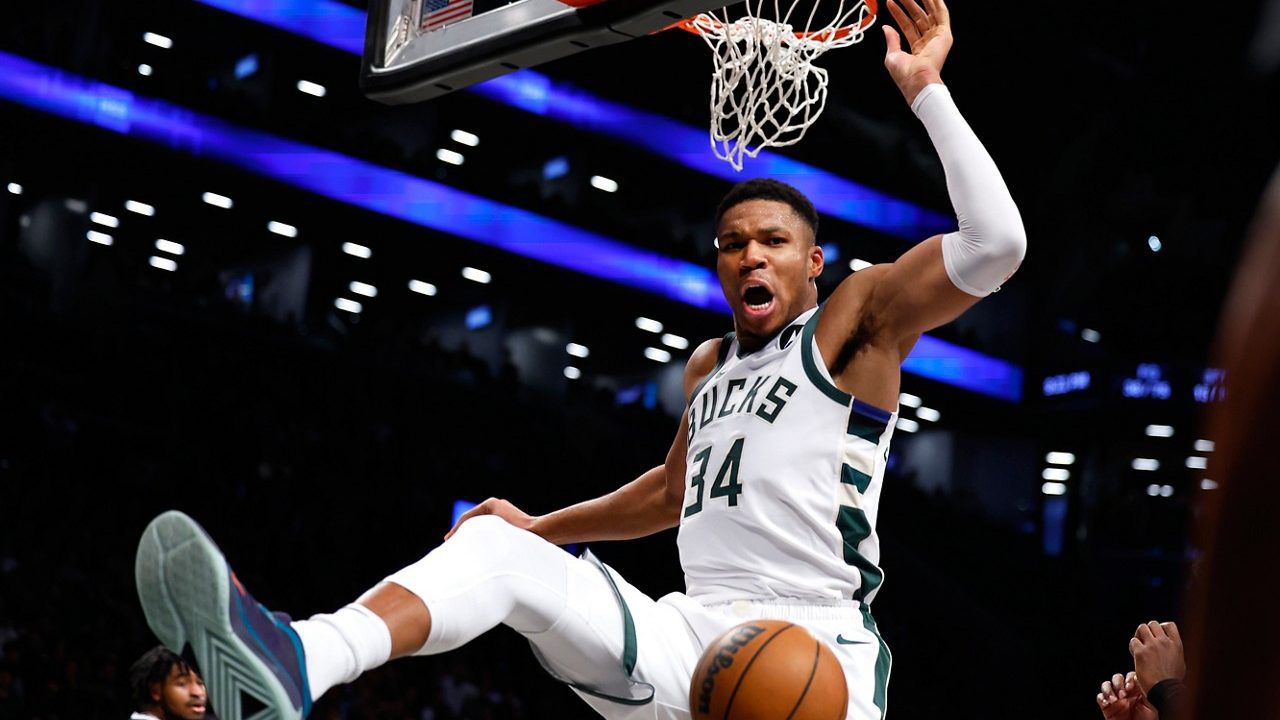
(428, 204)
(342, 26)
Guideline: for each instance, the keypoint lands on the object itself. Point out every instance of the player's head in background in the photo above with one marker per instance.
(166, 686)
(768, 256)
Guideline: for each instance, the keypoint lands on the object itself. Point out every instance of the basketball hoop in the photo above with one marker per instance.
(765, 89)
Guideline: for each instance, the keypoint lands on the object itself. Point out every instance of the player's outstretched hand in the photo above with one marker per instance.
(1157, 654)
(1122, 699)
(928, 32)
(495, 506)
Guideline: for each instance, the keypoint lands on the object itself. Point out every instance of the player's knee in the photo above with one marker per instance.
(485, 526)
(496, 539)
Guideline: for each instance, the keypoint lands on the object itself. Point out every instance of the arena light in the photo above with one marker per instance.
(313, 89)
(216, 200)
(76, 205)
(1204, 446)
(1195, 462)
(1060, 458)
(1166, 491)
(1161, 431)
(576, 350)
(357, 250)
(462, 137)
(1090, 335)
(479, 317)
(857, 264)
(1058, 474)
(104, 219)
(1154, 243)
(162, 263)
(14, 188)
(556, 167)
(1053, 488)
(963, 368)
(100, 238)
(422, 288)
(907, 425)
(158, 40)
(144, 70)
(600, 182)
(246, 66)
(657, 354)
(284, 229)
(648, 325)
(171, 247)
(364, 289)
(909, 400)
(477, 275)
(140, 208)
(450, 156)
(448, 210)
(1153, 490)
(928, 414)
(675, 342)
(349, 305)
(1146, 464)
(1207, 484)
(572, 372)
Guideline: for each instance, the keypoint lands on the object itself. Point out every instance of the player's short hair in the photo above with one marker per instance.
(769, 189)
(153, 667)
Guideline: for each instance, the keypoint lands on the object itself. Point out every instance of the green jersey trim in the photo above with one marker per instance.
(811, 369)
(854, 528)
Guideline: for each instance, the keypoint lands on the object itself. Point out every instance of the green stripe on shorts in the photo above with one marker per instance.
(884, 663)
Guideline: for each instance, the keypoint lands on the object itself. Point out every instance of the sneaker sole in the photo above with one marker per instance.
(184, 586)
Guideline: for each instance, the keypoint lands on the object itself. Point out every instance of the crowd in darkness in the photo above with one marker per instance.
(321, 466)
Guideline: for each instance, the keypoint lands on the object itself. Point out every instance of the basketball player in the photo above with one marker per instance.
(774, 476)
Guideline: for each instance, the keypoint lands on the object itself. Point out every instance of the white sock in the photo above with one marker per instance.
(341, 646)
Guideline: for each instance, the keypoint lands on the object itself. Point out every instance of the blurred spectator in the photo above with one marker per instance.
(1154, 688)
(1159, 667)
(1122, 699)
(166, 687)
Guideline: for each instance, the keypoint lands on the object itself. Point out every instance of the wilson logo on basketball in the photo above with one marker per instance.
(723, 659)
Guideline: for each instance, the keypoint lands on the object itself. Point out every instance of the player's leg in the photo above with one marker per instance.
(488, 573)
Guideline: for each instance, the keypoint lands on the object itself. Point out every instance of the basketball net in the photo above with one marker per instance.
(765, 89)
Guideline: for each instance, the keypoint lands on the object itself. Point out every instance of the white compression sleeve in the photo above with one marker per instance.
(991, 241)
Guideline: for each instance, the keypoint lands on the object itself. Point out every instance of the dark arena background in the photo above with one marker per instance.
(188, 321)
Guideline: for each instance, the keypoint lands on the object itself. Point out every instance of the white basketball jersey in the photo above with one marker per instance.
(783, 477)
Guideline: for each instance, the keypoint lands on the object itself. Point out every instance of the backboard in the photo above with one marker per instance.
(419, 49)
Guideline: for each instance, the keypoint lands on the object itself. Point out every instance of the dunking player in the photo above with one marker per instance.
(774, 476)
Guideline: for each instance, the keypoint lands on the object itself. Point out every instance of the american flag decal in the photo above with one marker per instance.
(438, 13)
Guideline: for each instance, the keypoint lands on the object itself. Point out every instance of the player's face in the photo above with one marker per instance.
(182, 695)
(767, 265)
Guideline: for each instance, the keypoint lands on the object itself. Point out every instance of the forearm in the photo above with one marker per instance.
(641, 507)
(991, 241)
(1169, 699)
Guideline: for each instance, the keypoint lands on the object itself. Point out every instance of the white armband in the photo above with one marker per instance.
(991, 242)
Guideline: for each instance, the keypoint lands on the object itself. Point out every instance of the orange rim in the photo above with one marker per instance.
(840, 33)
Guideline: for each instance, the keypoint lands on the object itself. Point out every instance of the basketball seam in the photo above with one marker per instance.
(817, 655)
(747, 669)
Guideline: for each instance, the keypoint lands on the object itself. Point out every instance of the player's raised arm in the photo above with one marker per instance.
(646, 505)
(940, 278)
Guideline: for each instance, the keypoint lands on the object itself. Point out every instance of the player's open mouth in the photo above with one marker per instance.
(757, 300)
(197, 708)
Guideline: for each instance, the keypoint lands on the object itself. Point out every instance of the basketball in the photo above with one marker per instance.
(768, 670)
